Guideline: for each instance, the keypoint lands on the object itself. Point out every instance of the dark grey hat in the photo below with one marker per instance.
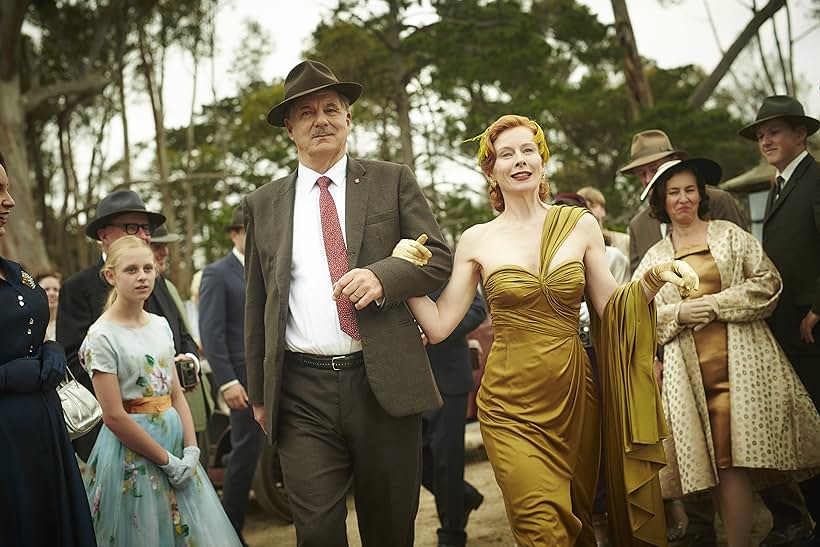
(780, 106)
(237, 219)
(116, 203)
(161, 235)
(308, 77)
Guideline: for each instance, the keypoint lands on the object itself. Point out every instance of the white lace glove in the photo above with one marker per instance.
(190, 458)
(175, 470)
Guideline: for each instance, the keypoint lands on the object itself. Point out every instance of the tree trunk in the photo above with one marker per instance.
(22, 242)
(392, 35)
(708, 86)
(640, 94)
(155, 94)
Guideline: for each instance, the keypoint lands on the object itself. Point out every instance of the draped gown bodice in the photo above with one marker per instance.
(537, 366)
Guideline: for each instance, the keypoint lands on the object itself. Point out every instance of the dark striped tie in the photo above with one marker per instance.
(778, 186)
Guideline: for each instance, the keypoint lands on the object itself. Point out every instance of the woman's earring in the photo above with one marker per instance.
(492, 183)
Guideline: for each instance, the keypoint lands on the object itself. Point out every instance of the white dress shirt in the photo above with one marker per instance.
(313, 321)
(789, 170)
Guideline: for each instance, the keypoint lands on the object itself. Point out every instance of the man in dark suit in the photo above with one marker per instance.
(443, 450)
(221, 326)
(83, 295)
(650, 149)
(791, 238)
(339, 383)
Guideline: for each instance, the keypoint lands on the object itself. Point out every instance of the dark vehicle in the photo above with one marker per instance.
(268, 486)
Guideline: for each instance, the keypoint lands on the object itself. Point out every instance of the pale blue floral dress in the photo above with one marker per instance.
(132, 502)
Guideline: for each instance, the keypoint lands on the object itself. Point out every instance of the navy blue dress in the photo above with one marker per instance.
(42, 499)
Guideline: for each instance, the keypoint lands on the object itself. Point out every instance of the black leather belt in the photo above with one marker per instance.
(327, 362)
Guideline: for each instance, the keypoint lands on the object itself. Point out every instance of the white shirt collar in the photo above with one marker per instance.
(239, 256)
(337, 173)
(789, 170)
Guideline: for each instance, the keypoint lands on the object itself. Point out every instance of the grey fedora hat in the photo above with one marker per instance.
(161, 235)
(118, 202)
(237, 219)
(780, 106)
(308, 77)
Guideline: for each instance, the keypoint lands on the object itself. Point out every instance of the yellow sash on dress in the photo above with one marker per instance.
(147, 405)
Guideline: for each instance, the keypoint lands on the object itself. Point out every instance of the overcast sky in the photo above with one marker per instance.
(672, 32)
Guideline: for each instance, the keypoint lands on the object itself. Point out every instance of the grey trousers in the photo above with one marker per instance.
(333, 436)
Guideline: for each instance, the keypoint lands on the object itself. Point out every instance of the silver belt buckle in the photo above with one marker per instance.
(333, 364)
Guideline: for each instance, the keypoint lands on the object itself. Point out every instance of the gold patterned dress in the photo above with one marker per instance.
(538, 402)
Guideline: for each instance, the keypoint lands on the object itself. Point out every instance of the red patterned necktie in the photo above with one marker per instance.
(336, 256)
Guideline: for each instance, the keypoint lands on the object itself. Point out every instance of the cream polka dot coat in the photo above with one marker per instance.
(774, 425)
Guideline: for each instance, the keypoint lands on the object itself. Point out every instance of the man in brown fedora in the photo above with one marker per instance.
(791, 238)
(650, 149)
(222, 330)
(339, 385)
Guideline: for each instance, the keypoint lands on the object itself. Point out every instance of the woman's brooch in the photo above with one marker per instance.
(27, 280)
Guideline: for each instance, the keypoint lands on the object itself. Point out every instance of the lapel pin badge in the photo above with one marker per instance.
(357, 180)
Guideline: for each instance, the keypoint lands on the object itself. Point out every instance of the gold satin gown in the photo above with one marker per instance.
(538, 404)
(711, 344)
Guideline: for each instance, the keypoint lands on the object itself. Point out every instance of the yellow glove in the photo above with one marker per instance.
(677, 272)
(413, 251)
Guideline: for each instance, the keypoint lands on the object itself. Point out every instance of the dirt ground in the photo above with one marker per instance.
(487, 526)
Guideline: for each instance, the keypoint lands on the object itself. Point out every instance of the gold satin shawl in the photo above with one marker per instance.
(632, 417)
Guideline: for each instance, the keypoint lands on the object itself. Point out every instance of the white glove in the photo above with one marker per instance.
(190, 458)
(584, 315)
(175, 470)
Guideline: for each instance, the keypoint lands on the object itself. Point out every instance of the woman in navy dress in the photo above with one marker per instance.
(42, 499)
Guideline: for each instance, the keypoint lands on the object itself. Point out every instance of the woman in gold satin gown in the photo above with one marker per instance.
(736, 408)
(539, 409)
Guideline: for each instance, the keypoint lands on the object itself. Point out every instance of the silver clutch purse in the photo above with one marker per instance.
(80, 408)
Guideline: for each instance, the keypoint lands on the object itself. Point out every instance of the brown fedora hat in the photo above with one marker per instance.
(116, 203)
(308, 77)
(780, 106)
(648, 146)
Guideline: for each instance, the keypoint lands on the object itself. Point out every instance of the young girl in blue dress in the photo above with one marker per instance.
(143, 479)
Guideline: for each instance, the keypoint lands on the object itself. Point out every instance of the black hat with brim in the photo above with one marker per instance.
(309, 77)
(117, 203)
(709, 170)
(780, 106)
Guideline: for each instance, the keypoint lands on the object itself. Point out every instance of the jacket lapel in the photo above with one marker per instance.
(356, 193)
(281, 221)
(771, 205)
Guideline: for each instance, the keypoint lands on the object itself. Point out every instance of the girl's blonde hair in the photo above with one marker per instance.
(487, 155)
(115, 254)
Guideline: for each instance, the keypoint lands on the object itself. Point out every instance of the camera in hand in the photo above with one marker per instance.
(186, 371)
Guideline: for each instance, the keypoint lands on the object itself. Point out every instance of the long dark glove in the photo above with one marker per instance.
(53, 365)
(20, 375)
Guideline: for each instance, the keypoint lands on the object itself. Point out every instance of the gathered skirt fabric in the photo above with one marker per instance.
(133, 504)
